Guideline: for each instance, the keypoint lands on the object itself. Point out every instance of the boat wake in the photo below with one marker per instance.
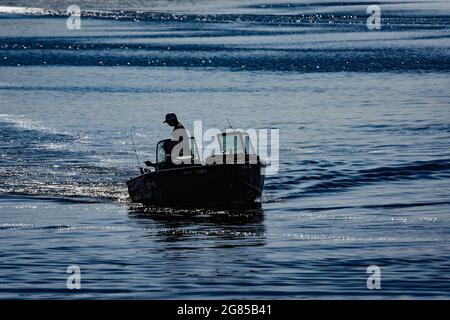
(311, 180)
(53, 165)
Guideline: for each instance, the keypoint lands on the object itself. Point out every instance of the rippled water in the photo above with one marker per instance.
(365, 150)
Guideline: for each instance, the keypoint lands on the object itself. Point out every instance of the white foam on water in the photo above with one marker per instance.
(23, 10)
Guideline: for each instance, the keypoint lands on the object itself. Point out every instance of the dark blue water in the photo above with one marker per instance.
(364, 119)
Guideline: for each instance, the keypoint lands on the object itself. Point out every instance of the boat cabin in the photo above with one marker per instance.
(235, 147)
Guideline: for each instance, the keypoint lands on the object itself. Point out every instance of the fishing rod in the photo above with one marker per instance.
(229, 124)
(135, 152)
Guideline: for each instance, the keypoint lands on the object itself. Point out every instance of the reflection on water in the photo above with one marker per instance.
(364, 156)
(180, 224)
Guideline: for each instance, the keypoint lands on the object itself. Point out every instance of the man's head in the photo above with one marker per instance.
(171, 119)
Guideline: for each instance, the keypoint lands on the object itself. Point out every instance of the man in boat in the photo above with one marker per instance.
(177, 149)
(171, 120)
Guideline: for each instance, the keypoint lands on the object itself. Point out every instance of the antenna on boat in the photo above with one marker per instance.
(229, 124)
(135, 152)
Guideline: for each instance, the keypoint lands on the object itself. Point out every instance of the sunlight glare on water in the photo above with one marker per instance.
(364, 149)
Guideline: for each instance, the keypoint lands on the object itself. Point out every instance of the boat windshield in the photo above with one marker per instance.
(235, 143)
(160, 151)
(163, 149)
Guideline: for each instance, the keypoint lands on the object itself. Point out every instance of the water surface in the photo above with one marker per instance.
(364, 152)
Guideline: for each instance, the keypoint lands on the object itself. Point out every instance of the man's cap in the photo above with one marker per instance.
(170, 117)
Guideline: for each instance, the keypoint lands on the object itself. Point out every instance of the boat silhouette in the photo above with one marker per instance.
(233, 178)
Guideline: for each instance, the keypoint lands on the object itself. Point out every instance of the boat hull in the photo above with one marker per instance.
(218, 186)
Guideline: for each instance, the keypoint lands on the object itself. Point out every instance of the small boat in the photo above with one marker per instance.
(234, 178)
